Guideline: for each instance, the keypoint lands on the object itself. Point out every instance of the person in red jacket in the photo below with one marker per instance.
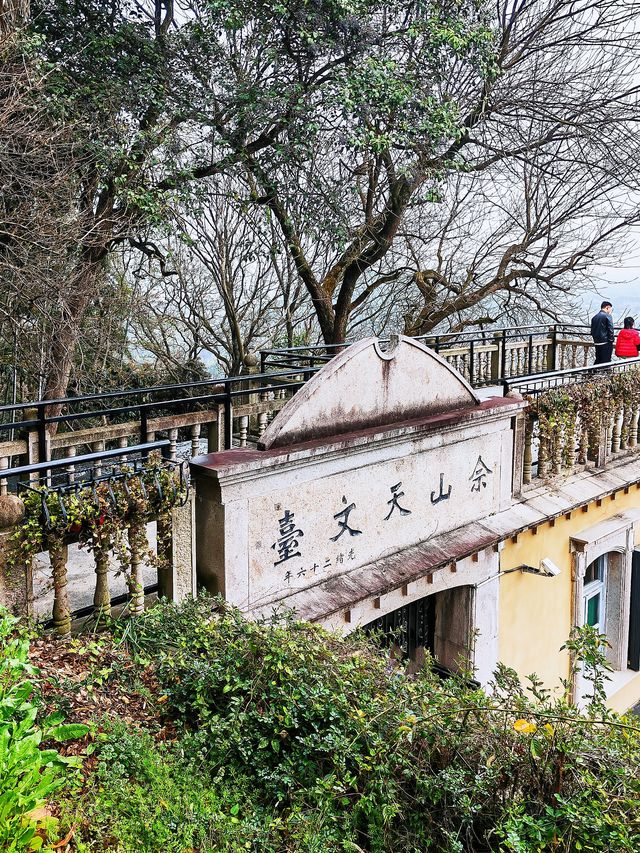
(628, 340)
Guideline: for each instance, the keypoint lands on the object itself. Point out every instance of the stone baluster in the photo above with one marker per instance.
(633, 430)
(528, 451)
(137, 536)
(625, 424)
(571, 444)
(173, 443)
(543, 456)
(4, 465)
(616, 425)
(101, 596)
(583, 449)
(243, 429)
(70, 470)
(122, 442)
(195, 440)
(558, 439)
(58, 553)
(97, 447)
(270, 414)
(164, 549)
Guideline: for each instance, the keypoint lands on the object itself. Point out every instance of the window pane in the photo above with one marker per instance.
(595, 570)
(593, 610)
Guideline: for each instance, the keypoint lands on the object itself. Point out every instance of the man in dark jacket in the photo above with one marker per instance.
(602, 333)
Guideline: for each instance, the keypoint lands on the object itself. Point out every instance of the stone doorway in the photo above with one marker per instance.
(440, 624)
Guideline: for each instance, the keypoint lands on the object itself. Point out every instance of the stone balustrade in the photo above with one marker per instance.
(248, 412)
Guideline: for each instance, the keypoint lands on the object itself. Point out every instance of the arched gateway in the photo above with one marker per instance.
(369, 493)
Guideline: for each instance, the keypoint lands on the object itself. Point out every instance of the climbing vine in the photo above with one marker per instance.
(571, 419)
(108, 516)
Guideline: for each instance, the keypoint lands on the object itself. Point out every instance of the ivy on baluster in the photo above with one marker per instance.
(109, 516)
(574, 416)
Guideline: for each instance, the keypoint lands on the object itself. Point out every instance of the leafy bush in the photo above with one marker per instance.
(153, 796)
(346, 752)
(28, 774)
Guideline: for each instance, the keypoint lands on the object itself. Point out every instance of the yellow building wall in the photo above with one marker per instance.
(536, 612)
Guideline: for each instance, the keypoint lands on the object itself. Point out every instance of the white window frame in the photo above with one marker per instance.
(615, 537)
(597, 587)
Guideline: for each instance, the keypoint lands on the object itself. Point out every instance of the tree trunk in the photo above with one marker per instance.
(65, 336)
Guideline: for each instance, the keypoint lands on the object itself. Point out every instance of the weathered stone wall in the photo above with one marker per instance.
(16, 577)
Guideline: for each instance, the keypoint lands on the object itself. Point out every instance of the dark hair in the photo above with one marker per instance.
(628, 322)
(606, 304)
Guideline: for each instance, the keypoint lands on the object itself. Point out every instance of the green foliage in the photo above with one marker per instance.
(153, 796)
(301, 741)
(99, 515)
(588, 405)
(29, 775)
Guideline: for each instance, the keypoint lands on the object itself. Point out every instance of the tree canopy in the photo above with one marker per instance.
(431, 157)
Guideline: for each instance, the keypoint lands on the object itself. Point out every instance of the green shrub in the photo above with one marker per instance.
(291, 739)
(150, 796)
(28, 774)
(331, 734)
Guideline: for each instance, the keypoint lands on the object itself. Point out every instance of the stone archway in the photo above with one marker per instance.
(441, 623)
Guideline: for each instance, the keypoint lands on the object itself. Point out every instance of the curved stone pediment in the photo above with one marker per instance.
(365, 386)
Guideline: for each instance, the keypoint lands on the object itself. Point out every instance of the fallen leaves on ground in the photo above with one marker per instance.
(90, 680)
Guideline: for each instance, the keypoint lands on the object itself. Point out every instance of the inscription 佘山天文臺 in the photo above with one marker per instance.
(311, 540)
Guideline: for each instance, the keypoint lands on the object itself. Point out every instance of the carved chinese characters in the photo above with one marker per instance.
(333, 524)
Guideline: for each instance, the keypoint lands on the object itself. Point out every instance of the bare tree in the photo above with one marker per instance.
(233, 289)
(512, 204)
(511, 241)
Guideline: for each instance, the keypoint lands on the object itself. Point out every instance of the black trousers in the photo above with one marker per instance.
(603, 353)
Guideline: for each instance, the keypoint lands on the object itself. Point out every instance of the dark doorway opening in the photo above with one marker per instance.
(408, 628)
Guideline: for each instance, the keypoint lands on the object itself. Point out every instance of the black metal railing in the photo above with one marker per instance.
(73, 474)
(536, 384)
(526, 341)
(141, 405)
(483, 358)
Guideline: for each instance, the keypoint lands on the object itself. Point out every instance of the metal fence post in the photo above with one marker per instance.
(143, 425)
(42, 434)
(554, 348)
(495, 357)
